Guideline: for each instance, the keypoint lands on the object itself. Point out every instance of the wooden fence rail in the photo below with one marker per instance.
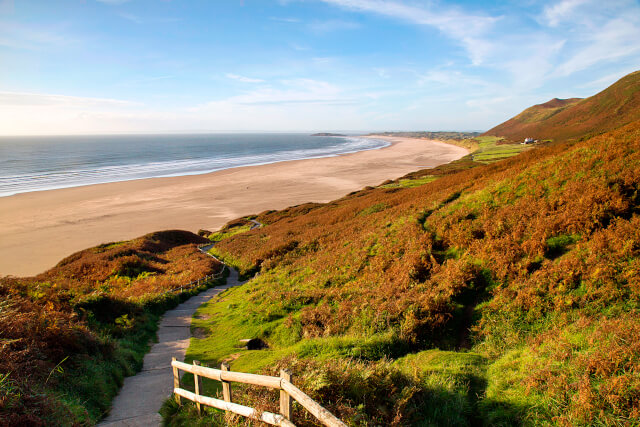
(202, 280)
(282, 383)
(197, 282)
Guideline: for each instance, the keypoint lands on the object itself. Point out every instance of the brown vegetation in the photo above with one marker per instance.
(536, 243)
(76, 312)
(576, 118)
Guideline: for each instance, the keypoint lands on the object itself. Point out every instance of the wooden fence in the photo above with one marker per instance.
(202, 280)
(224, 375)
(198, 282)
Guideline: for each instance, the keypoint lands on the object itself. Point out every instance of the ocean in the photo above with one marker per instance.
(51, 162)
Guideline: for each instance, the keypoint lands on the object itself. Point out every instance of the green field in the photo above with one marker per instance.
(490, 151)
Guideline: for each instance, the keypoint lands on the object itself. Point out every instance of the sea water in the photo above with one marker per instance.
(51, 162)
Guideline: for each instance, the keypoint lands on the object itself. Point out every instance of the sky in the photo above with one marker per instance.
(155, 66)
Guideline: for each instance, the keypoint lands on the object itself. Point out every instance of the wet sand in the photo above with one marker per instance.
(38, 229)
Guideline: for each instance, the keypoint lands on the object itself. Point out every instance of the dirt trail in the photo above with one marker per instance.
(142, 395)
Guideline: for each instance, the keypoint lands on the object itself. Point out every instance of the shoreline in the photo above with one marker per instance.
(195, 173)
(38, 229)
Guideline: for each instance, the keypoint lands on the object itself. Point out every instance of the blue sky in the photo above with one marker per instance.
(104, 66)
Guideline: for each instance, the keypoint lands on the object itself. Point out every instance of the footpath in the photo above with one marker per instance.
(142, 395)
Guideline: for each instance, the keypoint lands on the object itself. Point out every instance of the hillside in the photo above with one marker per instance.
(501, 294)
(71, 334)
(565, 119)
(494, 290)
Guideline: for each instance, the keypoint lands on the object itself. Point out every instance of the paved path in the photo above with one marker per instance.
(142, 395)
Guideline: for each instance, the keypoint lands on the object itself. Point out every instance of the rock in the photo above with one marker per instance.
(254, 343)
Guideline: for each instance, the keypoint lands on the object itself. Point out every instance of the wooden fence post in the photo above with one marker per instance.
(226, 386)
(285, 399)
(197, 381)
(176, 380)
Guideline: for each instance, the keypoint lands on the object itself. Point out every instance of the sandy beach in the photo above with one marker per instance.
(38, 229)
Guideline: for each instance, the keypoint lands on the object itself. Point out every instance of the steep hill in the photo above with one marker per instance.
(564, 119)
(502, 294)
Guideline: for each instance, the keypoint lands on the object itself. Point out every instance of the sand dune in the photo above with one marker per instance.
(38, 229)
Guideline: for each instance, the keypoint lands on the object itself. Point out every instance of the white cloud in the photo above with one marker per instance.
(299, 47)
(449, 78)
(331, 26)
(113, 2)
(323, 59)
(597, 32)
(45, 99)
(19, 36)
(469, 30)
(609, 79)
(487, 103)
(40, 113)
(383, 73)
(531, 64)
(295, 105)
(613, 40)
(561, 11)
(576, 35)
(294, 91)
(243, 79)
(144, 80)
(287, 20)
(131, 17)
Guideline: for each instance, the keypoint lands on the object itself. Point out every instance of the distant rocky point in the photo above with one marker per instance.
(327, 134)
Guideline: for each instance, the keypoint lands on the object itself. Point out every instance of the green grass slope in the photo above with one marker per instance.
(502, 294)
(575, 118)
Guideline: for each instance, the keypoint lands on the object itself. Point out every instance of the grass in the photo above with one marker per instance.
(441, 387)
(410, 183)
(245, 270)
(489, 150)
(501, 295)
(449, 386)
(453, 381)
(91, 384)
(484, 150)
(461, 374)
(220, 319)
(72, 334)
(223, 234)
(581, 374)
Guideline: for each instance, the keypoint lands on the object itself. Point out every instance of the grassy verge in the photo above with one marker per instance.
(410, 183)
(89, 387)
(223, 234)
